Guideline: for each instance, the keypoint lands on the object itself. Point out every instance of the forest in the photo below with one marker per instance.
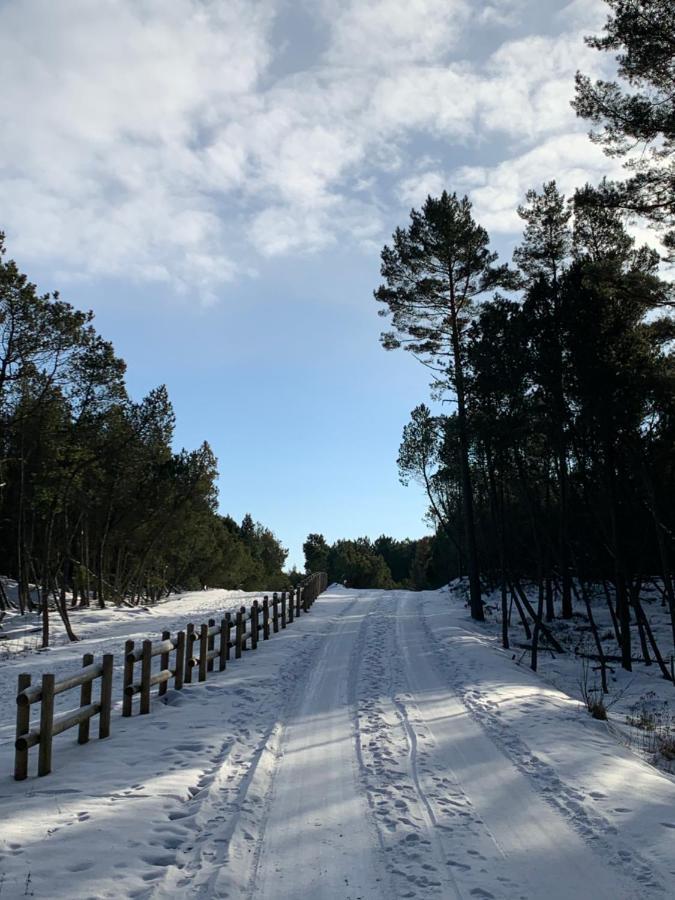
(549, 457)
(386, 562)
(95, 505)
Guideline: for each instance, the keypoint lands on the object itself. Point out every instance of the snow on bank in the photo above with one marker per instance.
(100, 631)
(624, 808)
(640, 704)
(383, 746)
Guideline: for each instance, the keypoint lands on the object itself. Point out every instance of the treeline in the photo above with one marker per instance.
(557, 463)
(422, 564)
(94, 503)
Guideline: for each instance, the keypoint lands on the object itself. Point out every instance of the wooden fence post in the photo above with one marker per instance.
(211, 644)
(22, 727)
(298, 594)
(228, 625)
(266, 618)
(106, 696)
(189, 642)
(275, 612)
(239, 631)
(243, 632)
(46, 725)
(291, 608)
(164, 663)
(203, 650)
(85, 700)
(179, 674)
(224, 645)
(127, 679)
(146, 674)
(254, 625)
(283, 609)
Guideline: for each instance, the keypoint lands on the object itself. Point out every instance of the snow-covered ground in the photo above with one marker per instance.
(100, 631)
(384, 746)
(640, 704)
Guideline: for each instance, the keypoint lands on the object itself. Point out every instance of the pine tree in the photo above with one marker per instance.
(637, 116)
(435, 273)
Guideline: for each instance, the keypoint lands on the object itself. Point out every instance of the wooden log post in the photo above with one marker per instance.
(106, 696)
(179, 672)
(22, 727)
(211, 645)
(275, 612)
(190, 638)
(239, 631)
(203, 650)
(224, 645)
(146, 675)
(243, 630)
(164, 662)
(85, 700)
(291, 608)
(254, 625)
(298, 595)
(46, 724)
(266, 618)
(127, 679)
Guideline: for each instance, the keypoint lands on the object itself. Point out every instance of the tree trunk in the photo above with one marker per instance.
(476, 601)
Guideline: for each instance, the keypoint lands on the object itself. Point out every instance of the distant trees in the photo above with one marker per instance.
(383, 563)
(94, 503)
(316, 551)
(636, 117)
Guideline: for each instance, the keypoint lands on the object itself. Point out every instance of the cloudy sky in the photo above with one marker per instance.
(216, 179)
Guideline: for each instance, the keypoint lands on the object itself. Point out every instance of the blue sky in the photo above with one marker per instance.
(216, 180)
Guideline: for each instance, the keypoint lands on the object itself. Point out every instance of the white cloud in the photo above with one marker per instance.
(387, 33)
(101, 113)
(146, 139)
(501, 12)
(529, 84)
(586, 15)
(570, 159)
(414, 189)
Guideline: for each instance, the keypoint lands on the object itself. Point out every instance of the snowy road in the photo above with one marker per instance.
(381, 748)
(380, 739)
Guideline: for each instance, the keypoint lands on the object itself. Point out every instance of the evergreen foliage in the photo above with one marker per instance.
(569, 390)
(435, 273)
(383, 563)
(94, 501)
(636, 116)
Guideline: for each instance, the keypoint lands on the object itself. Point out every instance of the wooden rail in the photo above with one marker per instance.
(51, 726)
(145, 655)
(195, 649)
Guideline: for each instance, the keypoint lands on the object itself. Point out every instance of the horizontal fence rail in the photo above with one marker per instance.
(50, 726)
(193, 651)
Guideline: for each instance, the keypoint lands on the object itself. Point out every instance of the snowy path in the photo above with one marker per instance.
(381, 748)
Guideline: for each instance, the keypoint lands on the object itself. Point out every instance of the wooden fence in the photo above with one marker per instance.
(49, 725)
(194, 650)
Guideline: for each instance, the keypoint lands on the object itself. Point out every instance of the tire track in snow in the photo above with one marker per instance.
(327, 850)
(225, 816)
(409, 826)
(445, 798)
